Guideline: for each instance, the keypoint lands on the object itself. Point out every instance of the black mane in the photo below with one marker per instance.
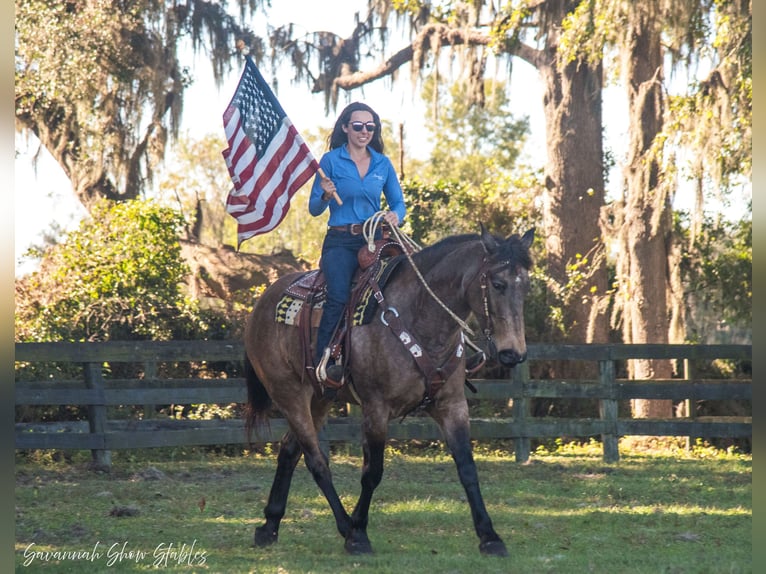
(510, 250)
(513, 250)
(433, 254)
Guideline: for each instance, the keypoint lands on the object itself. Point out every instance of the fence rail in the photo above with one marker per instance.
(102, 435)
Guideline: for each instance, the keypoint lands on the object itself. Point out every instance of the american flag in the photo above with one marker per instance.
(268, 160)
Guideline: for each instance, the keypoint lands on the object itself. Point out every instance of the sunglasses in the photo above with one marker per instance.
(359, 126)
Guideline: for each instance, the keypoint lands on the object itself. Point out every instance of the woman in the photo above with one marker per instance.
(357, 175)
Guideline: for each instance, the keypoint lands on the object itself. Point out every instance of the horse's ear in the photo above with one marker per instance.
(488, 240)
(526, 239)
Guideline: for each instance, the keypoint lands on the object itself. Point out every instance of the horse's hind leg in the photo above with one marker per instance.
(455, 425)
(290, 451)
(319, 467)
(287, 459)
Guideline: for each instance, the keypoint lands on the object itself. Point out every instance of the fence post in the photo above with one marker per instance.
(150, 372)
(94, 379)
(607, 408)
(691, 402)
(521, 410)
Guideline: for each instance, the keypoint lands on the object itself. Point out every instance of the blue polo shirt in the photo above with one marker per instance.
(360, 196)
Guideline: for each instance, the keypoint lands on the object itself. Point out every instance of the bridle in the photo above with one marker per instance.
(483, 274)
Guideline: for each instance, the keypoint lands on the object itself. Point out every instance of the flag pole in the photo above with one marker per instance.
(334, 193)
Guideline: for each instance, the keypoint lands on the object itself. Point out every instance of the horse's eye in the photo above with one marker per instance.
(499, 285)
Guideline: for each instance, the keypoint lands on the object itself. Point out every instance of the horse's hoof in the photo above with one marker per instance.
(264, 536)
(357, 547)
(493, 548)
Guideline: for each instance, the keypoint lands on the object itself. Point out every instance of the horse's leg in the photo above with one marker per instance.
(290, 452)
(287, 459)
(319, 467)
(454, 422)
(374, 444)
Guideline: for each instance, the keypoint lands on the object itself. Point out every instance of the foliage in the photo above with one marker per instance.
(116, 277)
(471, 175)
(563, 512)
(718, 276)
(714, 117)
(474, 143)
(447, 207)
(101, 83)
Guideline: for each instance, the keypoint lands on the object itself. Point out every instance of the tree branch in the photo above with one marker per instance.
(430, 37)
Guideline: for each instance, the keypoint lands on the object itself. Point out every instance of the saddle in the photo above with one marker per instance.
(302, 301)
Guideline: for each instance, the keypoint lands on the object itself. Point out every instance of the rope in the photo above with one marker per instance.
(370, 227)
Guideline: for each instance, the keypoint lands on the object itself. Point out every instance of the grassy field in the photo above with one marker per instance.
(566, 511)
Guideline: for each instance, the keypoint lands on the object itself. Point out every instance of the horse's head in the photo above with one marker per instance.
(503, 281)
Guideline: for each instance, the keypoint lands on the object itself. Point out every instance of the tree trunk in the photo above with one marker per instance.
(574, 193)
(647, 227)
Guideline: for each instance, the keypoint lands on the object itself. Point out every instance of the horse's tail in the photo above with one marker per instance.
(258, 401)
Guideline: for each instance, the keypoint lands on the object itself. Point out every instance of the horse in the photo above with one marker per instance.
(480, 275)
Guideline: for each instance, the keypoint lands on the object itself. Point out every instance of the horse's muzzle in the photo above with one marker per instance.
(511, 358)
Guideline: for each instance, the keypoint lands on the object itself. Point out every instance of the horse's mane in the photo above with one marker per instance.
(433, 254)
(510, 249)
(513, 250)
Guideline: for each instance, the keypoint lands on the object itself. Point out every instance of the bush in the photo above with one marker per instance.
(118, 277)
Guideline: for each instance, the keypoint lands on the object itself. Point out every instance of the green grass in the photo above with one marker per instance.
(566, 511)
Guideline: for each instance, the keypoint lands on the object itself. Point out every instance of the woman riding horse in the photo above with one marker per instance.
(481, 275)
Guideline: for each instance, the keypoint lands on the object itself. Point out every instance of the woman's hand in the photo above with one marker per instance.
(328, 187)
(391, 218)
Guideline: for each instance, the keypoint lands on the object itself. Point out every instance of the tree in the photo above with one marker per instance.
(715, 117)
(718, 280)
(119, 276)
(473, 144)
(647, 35)
(471, 174)
(101, 82)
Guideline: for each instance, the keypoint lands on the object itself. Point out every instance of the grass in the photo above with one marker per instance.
(566, 511)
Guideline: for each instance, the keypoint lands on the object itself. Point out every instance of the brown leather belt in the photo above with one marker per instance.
(352, 228)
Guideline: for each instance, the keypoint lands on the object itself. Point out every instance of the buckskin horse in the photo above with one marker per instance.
(483, 275)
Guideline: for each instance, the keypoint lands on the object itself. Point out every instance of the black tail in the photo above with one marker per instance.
(258, 401)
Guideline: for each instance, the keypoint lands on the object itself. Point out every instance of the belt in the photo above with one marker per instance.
(352, 228)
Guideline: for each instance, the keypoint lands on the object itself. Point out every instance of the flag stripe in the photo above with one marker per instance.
(291, 171)
(286, 154)
(267, 159)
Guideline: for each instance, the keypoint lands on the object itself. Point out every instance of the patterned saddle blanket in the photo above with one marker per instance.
(311, 288)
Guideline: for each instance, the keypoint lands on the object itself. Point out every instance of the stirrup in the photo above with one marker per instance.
(321, 370)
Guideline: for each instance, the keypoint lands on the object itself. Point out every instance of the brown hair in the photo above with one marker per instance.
(338, 137)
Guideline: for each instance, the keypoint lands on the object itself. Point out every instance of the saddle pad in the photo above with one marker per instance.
(289, 310)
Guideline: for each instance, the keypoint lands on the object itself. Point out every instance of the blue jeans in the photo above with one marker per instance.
(339, 263)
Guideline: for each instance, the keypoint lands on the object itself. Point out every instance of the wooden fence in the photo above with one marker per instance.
(103, 396)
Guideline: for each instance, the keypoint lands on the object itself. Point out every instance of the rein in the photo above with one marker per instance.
(435, 375)
(369, 234)
(370, 227)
